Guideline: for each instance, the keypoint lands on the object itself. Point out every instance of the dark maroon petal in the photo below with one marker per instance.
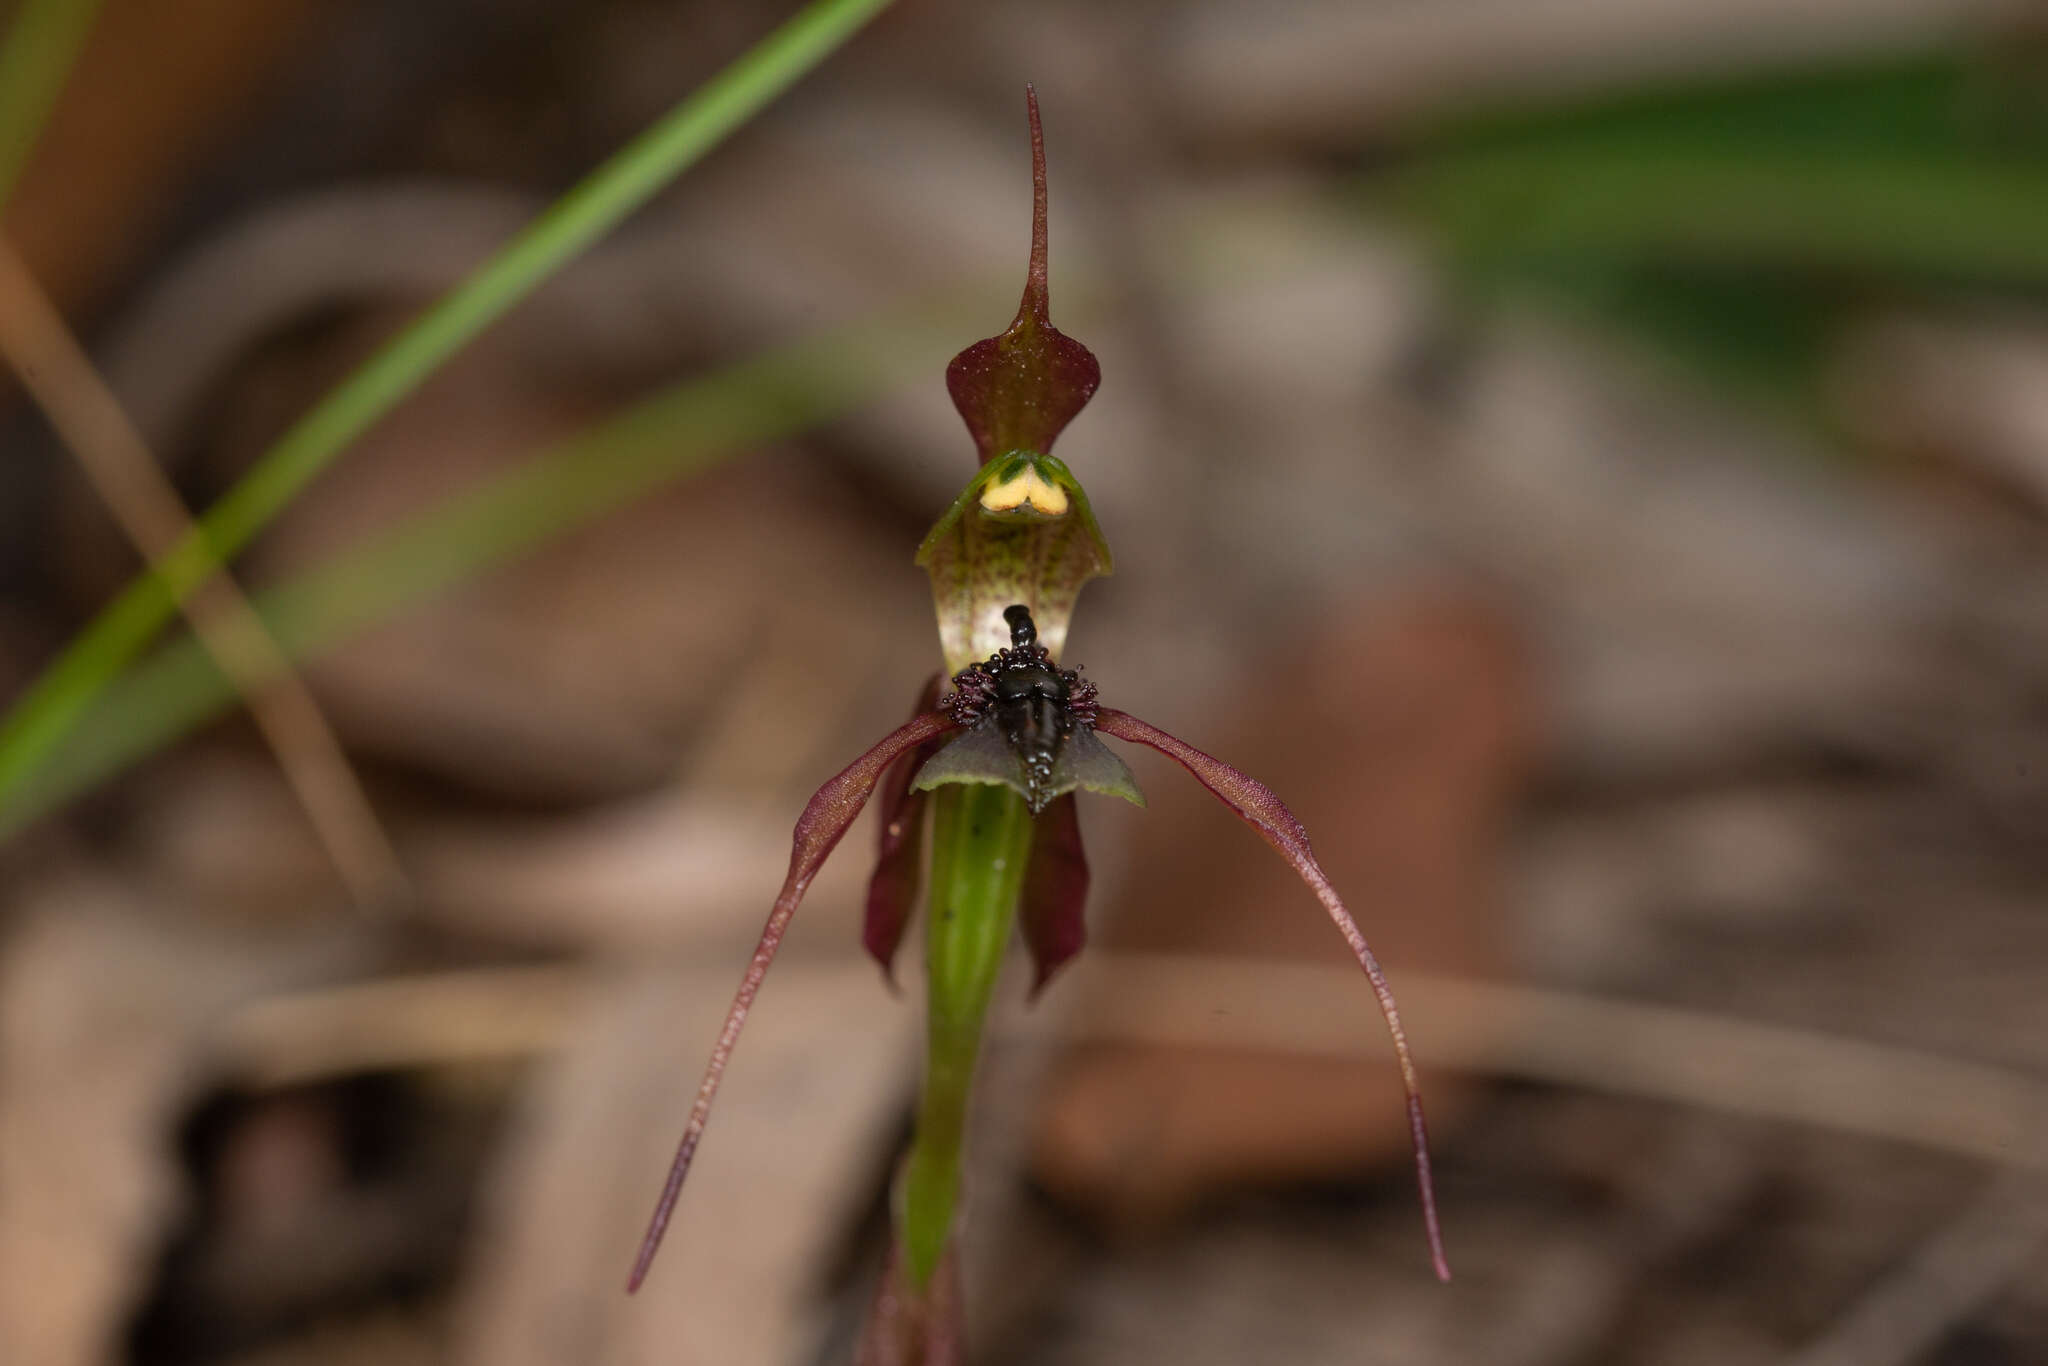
(819, 828)
(1018, 390)
(1055, 891)
(1255, 803)
(899, 862)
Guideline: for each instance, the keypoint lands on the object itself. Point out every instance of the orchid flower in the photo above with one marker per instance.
(998, 758)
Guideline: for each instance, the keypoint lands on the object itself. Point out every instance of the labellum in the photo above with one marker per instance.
(998, 759)
(1029, 726)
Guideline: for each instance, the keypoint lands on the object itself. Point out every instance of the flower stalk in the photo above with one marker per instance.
(981, 846)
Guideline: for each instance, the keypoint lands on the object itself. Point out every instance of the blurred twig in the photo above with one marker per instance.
(57, 700)
(1488, 1028)
(57, 372)
(1562, 1037)
(41, 45)
(399, 1022)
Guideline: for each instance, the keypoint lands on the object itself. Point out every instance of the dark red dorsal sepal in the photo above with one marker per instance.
(1018, 390)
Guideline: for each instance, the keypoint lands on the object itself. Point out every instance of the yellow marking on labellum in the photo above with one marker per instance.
(1026, 493)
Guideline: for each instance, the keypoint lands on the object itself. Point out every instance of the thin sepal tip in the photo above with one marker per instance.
(1260, 808)
(825, 819)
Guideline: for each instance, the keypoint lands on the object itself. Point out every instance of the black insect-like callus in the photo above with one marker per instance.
(1026, 726)
(1029, 725)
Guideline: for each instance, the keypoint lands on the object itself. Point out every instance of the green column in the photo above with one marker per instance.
(981, 839)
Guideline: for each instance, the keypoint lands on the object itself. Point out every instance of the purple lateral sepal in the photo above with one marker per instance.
(818, 831)
(1055, 892)
(1257, 806)
(1017, 390)
(899, 861)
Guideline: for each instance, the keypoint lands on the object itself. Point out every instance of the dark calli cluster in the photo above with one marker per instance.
(1026, 724)
(1030, 725)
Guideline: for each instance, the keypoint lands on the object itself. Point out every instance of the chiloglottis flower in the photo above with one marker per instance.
(992, 764)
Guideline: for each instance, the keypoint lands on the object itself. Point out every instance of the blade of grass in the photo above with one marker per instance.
(681, 431)
(42, 44)
(55, 370)
(56, 701)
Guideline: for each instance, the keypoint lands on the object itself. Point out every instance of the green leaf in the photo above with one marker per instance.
(42, 44)
(680, 431)
(59, 698)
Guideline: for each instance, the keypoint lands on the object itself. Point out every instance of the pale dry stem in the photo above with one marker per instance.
(62, 379)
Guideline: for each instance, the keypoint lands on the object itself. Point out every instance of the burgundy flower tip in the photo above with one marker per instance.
(1018, 390)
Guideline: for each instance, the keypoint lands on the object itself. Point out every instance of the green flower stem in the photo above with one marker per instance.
(596, 205)
(981, 840)
(42, 44)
